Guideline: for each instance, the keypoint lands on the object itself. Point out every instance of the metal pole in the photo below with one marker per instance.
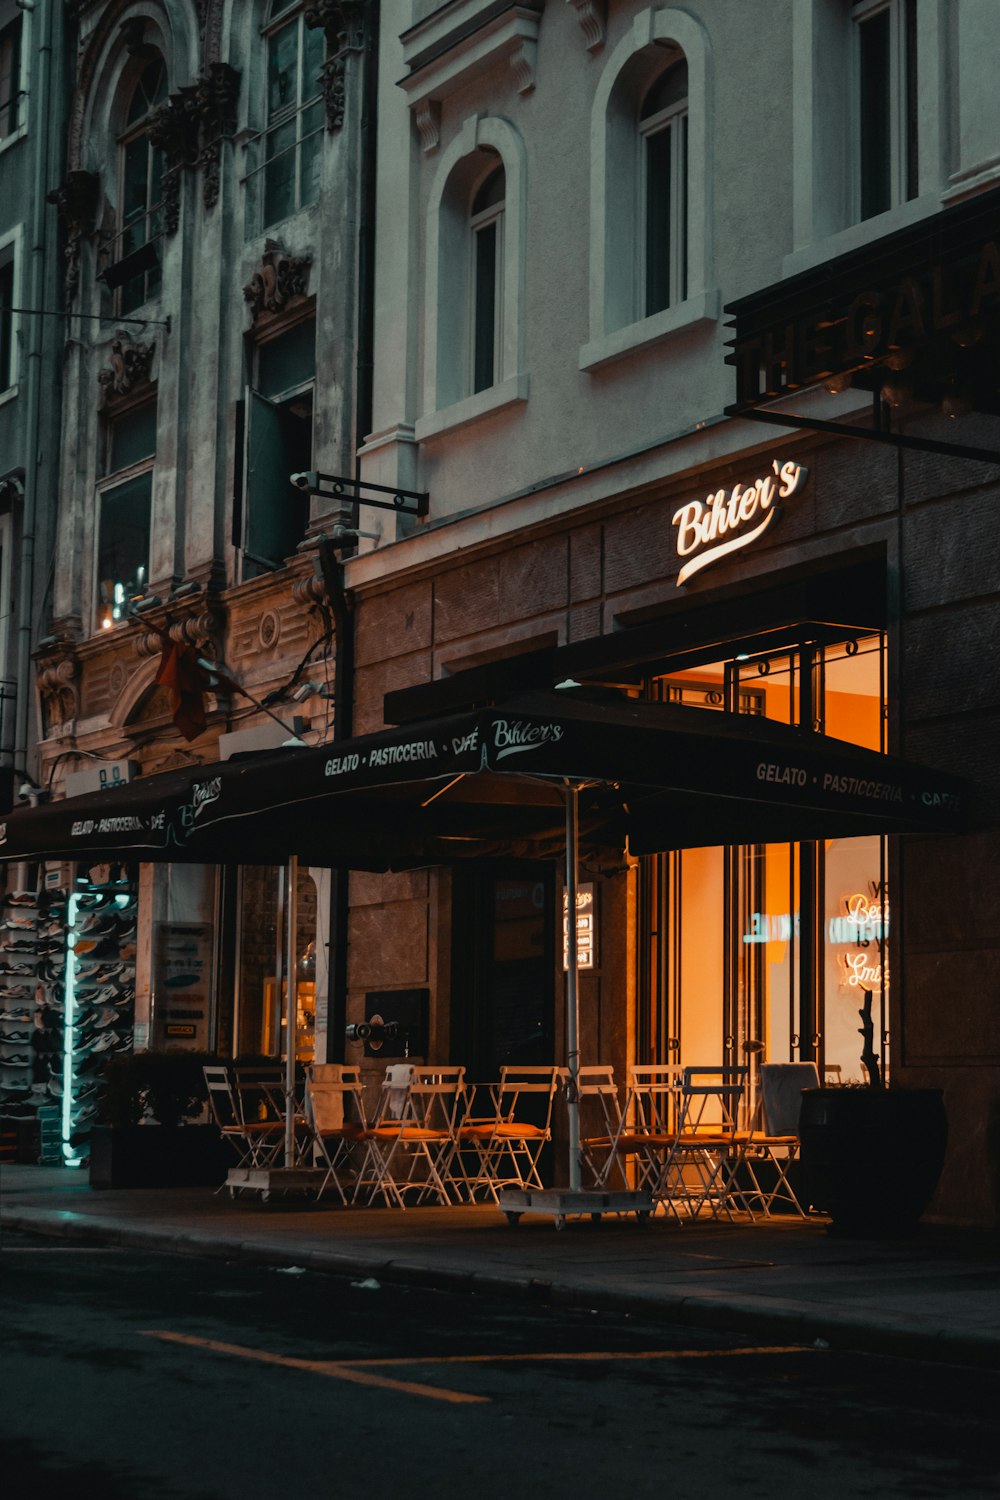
(291, 1009)
(572, 990)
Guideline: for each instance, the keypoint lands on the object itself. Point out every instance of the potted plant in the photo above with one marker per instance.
(871, 1156)
(147, 1136)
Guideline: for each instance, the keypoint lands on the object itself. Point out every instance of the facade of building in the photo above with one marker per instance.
(31, 149)
(604, 238)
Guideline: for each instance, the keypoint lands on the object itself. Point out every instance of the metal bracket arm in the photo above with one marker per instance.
(336, 487)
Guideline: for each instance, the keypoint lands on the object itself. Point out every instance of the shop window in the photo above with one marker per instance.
(474, 303)
(278, 443)
(650, 190)
(783, 938)
(885, 99)
(13, 69)
(135, 269)
(663, 134)
(290, 145)
(124, 509)
(8, 318)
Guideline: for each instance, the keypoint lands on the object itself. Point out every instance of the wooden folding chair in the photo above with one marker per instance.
(600, 1122)
(772, 1149)
(703, 1159)
(509, 1146)
(649, 1122)
(335, 1110)
(413, 1141)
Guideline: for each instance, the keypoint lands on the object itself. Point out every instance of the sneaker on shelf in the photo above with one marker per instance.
(17, 971)
(16, 1060)
(8, 1038)
(16, 1013)
(104, 1042)
(123, 1043)
(97, 947)
(106, 1017)
(21, 898)
(15, 923)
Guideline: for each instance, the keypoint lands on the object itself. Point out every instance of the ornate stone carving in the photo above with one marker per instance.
(523, 60)
(58, 676)
(215, 95)
(132, 32)
(200, 626)
(427, 118)
(130, 366)
(343, 23)
(592, 16)
(76, 204)
(174, 128)
(281, 278)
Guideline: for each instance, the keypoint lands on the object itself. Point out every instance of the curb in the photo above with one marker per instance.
(793, 1322)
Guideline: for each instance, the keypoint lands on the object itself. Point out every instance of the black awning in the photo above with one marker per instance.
(487, 784)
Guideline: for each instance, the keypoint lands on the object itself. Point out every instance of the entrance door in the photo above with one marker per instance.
(503, 968)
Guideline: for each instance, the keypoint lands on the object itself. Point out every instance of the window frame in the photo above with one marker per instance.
(291, 15)
(151, 218)
(107, 482)
(902, 145)
(21, 21)
(12, 242)
(673, 118)
(279, 400)
(493, 216)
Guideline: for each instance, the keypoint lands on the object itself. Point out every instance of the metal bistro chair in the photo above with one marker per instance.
(413, 1142)
(701, 1163)
(773, 1143)
(509, 1145)
(649, 1122)
(335, 1109)
(260, 1100)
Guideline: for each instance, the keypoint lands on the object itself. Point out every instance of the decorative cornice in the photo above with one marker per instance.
(76, 205)
(130, 367)
(342, 22)
(310, 590)
(197, 621)
(592, 16)
(427, 118)
(279, 281)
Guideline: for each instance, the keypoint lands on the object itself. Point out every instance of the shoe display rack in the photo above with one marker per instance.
(98, 997)
(67, 998)
(31, 1037)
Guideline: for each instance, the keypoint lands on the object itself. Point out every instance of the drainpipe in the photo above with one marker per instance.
(40, 132)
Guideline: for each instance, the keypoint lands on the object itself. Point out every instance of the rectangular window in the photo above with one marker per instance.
(279, 440)
(131, 437)
(292, 139)
(8, 361)
(664, 244)
(123, 546)
(11, 100)
(885, 104)
(485, 311)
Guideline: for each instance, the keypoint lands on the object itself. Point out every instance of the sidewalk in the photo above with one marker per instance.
(936, 1296)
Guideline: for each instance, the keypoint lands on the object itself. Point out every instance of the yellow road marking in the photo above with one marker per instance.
(595, 1354)
(317, 1366)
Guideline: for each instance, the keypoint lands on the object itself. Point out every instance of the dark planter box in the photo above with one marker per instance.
(871, 1158)
(133, 1156)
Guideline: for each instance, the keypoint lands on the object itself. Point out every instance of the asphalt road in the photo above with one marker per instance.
(145, 1377)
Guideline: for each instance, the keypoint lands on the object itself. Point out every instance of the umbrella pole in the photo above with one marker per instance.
(291, 1009)
(572, 989)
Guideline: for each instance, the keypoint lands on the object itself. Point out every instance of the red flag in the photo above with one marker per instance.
(180, 673)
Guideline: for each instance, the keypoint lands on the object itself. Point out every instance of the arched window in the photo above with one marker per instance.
(663, 122)
(486, 229)
(141, 172)
(652, 273)
(294, 128)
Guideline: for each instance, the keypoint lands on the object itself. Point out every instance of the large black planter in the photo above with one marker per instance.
(134, 1156)
(871, 1158)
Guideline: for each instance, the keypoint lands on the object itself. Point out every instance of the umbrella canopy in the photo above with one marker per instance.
(490, 783)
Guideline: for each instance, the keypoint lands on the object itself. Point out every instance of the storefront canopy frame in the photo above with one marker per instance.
(489, 784)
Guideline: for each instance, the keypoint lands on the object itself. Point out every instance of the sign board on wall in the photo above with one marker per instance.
(586, 929)
(728, 520)
(182, 976)
(99, 777)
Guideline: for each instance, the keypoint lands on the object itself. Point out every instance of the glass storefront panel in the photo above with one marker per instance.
(772, 944)
(261, 964)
